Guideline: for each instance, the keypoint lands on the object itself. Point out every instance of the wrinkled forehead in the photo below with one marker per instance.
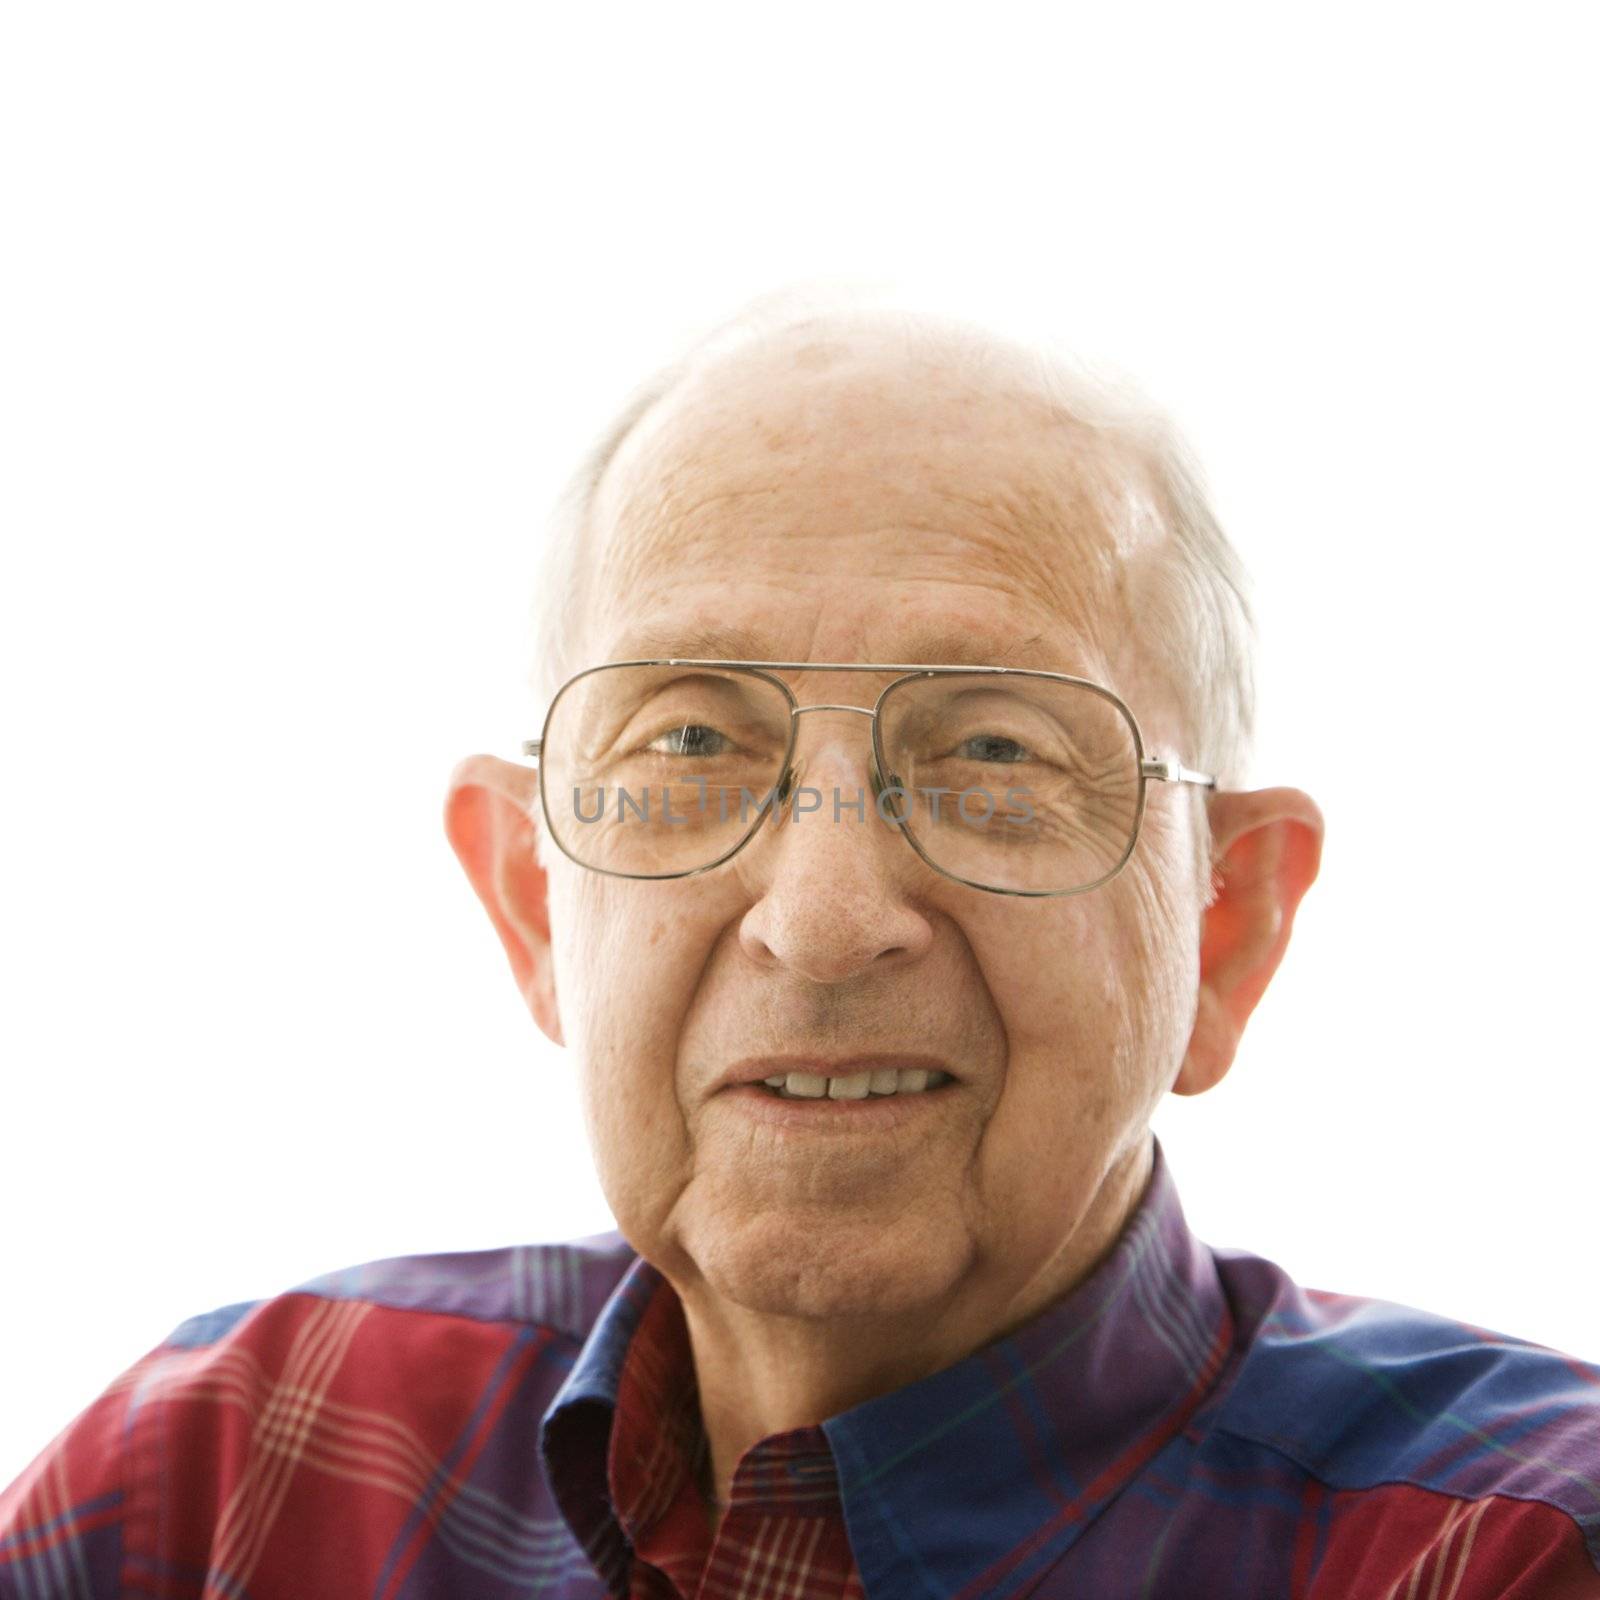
(812, 462)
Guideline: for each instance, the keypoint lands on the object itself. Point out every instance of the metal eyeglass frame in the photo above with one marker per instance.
(1161, 771)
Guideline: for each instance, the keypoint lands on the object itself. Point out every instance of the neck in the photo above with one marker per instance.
(761, 1374)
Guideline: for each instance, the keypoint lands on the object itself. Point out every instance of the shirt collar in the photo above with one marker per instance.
(975, 1479)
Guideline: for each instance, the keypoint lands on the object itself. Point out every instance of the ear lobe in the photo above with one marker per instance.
(1268, 846)
(489, 820)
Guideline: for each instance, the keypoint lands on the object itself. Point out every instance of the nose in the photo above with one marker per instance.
(835, 892)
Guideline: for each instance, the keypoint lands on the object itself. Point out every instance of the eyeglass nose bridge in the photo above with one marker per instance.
(786, 783)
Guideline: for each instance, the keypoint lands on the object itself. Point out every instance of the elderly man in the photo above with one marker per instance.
(884, 864)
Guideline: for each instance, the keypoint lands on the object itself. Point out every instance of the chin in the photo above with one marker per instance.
(830, 1267)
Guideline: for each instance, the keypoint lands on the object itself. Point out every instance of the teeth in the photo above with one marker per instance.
(808, 1085)
(855, 1085)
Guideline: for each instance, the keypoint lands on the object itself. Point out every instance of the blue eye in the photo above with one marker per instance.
(692, 739)
(993, 747)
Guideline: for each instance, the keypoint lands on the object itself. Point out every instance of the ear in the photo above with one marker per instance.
(490, 818)
(1266, 846)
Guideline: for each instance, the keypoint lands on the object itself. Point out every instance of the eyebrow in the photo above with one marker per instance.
(938, 646)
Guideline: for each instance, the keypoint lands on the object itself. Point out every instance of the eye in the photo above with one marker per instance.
(691, 739)
(992, 747)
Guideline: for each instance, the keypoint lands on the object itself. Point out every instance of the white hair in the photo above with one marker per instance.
(1194, 610)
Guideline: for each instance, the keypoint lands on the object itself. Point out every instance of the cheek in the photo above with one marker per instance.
(638, 1141)
(1059, 980)
(1163, 947)
(634, 1130)
(626, 968)
(621, 960)
(1091, 1006)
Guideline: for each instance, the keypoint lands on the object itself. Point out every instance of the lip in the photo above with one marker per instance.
(755, 1069)
(876, 1114)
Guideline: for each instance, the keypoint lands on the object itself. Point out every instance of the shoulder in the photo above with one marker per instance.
(1357, 1387)
(401, 1357)
(1365, 1395)
(556, 1287)
(420, 1340)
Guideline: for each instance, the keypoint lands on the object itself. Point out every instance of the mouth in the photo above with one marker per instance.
(802, 1104)
(858, 1080)
(877, 1083)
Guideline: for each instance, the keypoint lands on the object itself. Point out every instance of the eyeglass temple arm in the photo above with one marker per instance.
(1166, 771)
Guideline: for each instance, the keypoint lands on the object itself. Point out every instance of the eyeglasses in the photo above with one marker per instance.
(1007, 780)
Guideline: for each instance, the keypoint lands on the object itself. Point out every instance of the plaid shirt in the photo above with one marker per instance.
(1186, 1422)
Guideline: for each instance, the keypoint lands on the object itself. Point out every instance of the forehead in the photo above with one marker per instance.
(957, 509)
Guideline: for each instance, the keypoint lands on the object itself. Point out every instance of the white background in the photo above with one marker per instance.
(308, 310)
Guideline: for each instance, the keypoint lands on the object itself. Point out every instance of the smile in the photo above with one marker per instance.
(828, 1115)
(883, 1082)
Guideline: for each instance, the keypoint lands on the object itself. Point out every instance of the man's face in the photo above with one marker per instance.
(839, 504)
